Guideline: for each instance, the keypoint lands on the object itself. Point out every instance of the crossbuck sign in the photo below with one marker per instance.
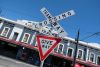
(54, 23)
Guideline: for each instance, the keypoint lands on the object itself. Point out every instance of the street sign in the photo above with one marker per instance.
(64, 15)
(46, 45)
(54, 23)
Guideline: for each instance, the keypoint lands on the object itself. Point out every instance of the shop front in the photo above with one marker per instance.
(54, 61)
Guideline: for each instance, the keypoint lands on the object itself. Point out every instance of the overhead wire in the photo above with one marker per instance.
(94, 34)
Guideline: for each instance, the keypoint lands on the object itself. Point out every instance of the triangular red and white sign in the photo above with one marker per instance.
(46, 44)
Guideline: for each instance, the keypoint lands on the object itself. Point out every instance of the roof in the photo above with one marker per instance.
(20, 22)
(92, 45)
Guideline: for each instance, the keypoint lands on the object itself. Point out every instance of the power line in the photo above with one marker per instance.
(94, 34)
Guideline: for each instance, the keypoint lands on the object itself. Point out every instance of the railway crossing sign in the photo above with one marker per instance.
(54, 23)
(61, 16)
(46, 44)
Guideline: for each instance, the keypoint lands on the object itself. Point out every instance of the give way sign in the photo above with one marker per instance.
(46, 44)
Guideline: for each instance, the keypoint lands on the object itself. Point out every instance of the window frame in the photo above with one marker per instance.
(4, 30)
(27, 39)
(62, 48)
(14, 35)
(94, 57)
(72, 51)
(78, 54)
(97, 58)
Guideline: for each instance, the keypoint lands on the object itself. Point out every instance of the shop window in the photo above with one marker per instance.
(5, 31)
(26, 37)
(60, 48)
(80, 54)
(70, 52)
(92, 57)
(98, 60)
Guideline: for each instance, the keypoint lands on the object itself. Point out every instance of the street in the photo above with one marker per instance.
(7, 62)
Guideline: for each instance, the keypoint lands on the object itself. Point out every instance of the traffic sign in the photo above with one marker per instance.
(46, 44)
(54, 23)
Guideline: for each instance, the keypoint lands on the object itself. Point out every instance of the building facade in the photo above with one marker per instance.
(18, 40)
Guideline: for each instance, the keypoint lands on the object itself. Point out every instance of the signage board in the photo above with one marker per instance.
(46, 45)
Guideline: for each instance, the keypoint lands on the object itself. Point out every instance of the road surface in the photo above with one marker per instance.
(8, 62)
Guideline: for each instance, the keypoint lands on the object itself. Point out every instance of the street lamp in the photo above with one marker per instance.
(76, 47)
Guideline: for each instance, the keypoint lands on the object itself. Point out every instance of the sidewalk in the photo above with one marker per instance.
(8, 62)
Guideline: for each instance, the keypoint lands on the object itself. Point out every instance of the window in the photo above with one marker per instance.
(0, 20)
(98, 60)
(92, 57)
(5, 31)
(65, 41)
(80, 54)
(70, 52)
(26, 37)
(15, 35)
(60, 48)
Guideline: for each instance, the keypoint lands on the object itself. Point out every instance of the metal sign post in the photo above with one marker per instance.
(42, 62)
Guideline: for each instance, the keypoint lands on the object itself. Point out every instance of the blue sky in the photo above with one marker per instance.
(87, 16)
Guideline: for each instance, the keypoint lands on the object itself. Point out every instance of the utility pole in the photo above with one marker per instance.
(76, 48)
(77, 40)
